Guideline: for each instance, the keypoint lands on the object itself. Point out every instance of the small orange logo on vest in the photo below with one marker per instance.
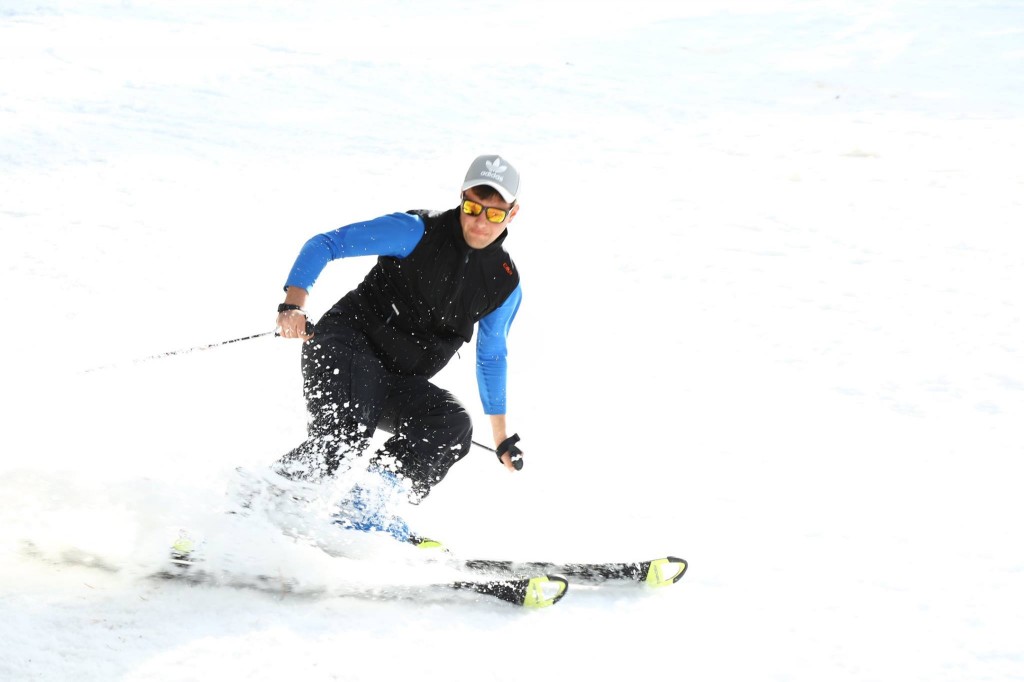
(508, 268)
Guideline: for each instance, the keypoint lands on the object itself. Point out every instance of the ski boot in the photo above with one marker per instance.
(370, 504)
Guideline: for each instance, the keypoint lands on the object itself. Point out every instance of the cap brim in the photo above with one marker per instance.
(510, 198)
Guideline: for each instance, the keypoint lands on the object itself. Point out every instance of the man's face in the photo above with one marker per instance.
(477, 230)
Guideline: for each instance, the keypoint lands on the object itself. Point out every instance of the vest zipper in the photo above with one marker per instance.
(458, 287)
(392, 316)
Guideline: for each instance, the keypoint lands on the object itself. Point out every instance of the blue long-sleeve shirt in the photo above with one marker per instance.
(397, 235)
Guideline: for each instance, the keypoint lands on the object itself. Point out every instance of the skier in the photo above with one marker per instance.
(369, 362)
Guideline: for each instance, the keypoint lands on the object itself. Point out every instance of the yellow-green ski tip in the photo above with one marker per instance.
(545, 591)
(183, 545)
(664, 572)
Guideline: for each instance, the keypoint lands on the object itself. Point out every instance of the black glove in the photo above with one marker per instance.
(509, 445)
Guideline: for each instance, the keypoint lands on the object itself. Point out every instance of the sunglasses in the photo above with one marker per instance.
(493, 215)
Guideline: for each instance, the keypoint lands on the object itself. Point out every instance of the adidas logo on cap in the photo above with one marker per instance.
(494, 169)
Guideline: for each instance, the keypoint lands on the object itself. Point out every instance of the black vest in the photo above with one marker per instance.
(418, 310)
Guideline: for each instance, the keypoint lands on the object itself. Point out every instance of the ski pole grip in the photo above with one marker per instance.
(509, 445)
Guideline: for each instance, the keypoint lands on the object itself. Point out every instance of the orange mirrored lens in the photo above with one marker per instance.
(494, 215)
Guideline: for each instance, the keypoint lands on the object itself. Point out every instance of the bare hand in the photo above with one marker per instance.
(292, 324)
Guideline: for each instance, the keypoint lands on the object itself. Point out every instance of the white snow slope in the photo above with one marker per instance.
(772, 323)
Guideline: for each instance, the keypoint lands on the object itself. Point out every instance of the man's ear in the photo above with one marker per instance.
(512, 213)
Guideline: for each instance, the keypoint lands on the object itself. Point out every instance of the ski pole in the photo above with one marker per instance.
(182, 351)
(309, 332)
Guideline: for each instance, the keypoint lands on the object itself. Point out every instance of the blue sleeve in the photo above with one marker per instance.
(492, 353)
(395, 235)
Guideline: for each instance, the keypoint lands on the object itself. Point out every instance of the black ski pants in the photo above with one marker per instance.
(349, 394)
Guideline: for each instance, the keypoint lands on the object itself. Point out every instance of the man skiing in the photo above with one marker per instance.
(369, 363)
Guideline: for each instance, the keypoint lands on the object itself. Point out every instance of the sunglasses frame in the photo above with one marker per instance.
(483, 210)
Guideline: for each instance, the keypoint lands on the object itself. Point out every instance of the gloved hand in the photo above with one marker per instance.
(509, 445)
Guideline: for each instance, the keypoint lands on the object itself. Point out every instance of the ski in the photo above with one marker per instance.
(528, 591)
(660, 572)
(536, 591)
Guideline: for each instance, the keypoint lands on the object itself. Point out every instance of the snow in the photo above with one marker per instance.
(772, 324)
